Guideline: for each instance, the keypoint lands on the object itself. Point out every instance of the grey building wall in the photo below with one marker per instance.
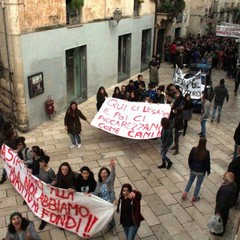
(45, 52)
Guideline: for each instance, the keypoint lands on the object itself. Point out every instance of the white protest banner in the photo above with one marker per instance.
(82, 214)
(136, 120)
(192, 85)
(228, 30)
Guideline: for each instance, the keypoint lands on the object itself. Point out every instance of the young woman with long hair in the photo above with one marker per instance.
(65, 177)
(199, 164)
(129, 207)
(101, 96)
(20, 228)
(105, 190)
(73, 125)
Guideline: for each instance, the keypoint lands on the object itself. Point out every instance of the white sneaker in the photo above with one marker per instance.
(72, 146)
(79, 145)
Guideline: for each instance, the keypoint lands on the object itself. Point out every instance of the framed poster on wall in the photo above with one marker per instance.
(35, 84)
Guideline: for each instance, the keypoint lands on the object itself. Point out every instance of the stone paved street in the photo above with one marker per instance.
(167, 216)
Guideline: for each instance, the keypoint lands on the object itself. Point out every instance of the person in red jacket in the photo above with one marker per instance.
(130, 210)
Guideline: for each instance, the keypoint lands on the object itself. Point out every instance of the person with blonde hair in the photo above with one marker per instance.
(225, 199)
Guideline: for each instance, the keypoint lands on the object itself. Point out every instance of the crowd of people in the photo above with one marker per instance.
(37, 162)
(218, 52)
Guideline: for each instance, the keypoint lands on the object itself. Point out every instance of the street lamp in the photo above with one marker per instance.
(117, 16)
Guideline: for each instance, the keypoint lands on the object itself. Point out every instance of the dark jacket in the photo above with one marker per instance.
(236, 136)
(220, 92)
(234, 167)
(178, 122)
(199, 165)
(225, 198)
(187, 109)
(88, 185)
(72, 121)
(136, 209)
(167, 137)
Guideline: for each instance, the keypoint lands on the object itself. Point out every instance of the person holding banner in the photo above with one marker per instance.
(73, 125)
(65, 177)
(48, 176)
(205, 113)
(167, 140)
(129, 207)
(85, 182)
(21, 228)
(101, 96)
(105, 190)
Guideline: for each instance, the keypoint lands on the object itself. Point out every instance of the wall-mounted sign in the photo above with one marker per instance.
(35, 84)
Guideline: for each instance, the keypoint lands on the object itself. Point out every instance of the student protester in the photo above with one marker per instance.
(24, 153)
(48, 176)
(141, 92)
(152, 91)
(37, 153)
(139, 81)
(187, 111)
(154, 66)
(73, 124)
(101, 96)
(219, 94)
(199, 164)
(160, 95)
(105, 190)
(205, 113)
(167, 140)
(124, 91)
(130, 88)
(129, 207)
(65, 177)
(21, 228)
(132, 97)
(225, 199)
(117, 93)
(178, 126)
(85, 181)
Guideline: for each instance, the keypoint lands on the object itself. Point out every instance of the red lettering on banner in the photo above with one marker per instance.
(15, 179)
(108, 128)
(143, 135)
(119, 116)
(119, 106)
(139, 118)
(61, 193)
(106, 111)
(91, 221)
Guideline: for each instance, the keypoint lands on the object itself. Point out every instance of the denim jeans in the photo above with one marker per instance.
(130, 232)
(203, 127)
(219, 111)
(192, 177)
(75, 138)
(164, 154)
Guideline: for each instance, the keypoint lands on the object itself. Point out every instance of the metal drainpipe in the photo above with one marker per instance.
(8, 60)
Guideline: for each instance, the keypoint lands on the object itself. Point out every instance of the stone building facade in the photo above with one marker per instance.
(206, 14)
(48, 48)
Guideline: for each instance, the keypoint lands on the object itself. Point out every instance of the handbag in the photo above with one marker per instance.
(215, 224)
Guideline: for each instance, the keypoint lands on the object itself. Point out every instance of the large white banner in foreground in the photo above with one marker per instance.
(76, 212)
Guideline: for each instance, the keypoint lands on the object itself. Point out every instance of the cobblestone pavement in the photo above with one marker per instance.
(167, 216)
